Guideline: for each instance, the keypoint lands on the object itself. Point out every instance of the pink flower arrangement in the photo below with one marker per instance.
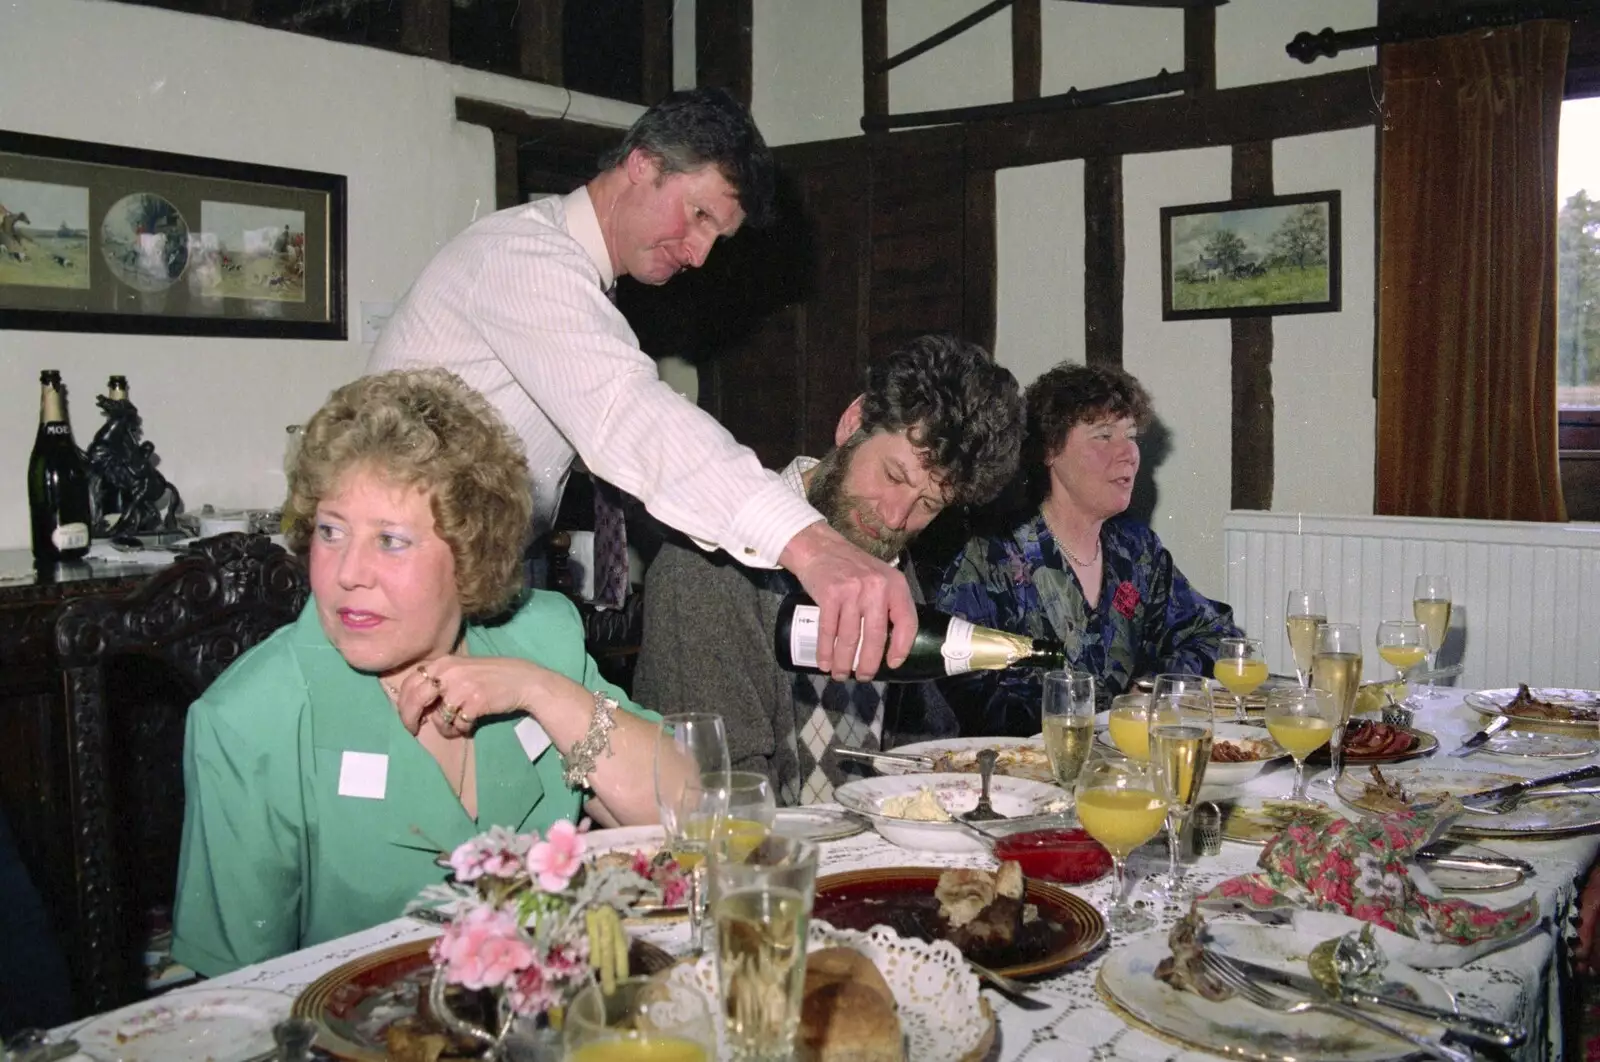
(517, 904)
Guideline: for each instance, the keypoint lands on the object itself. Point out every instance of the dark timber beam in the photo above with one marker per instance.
(425, 28)
(722, 46)
(1252, 359)
(1200, 49)
(239, 10)
(1027, 50)
(1072, 99)
(1343, 100)
(1102, 260)
(955, 29)
(657, 61)
(980, 262)
(874, 53)
(539, 40)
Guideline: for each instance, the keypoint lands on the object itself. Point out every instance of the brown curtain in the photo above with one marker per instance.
(1467, 275)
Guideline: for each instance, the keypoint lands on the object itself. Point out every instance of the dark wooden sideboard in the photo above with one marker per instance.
(98, 667)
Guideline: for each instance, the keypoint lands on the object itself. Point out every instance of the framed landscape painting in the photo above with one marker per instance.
(98, 238)
(1250, 258)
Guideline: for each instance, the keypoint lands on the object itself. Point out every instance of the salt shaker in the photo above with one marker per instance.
(293, 1037)
(1205, 829)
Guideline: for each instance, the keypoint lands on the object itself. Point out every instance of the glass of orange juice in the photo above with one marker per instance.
(1302, 721)
(1118, 804)
(1129, 724)
(1403, 644)
(1241, 668)
(642, 1018)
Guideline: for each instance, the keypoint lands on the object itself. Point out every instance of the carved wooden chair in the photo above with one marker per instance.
(132, 667)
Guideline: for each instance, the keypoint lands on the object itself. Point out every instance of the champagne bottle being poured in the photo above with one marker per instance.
(944, 645)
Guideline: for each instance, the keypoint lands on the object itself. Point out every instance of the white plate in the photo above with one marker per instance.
(1455, 880)
(630, 838)
(193, 1025)
(1036, 768)
(1494, 702)
(1530, 743)
(817, 824)
(1428, 785)
(1240, 1029)
(956, 793)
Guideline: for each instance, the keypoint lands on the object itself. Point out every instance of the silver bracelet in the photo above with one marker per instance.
(580, 761)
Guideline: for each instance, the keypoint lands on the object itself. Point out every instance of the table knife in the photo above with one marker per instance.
(1467, 1026)
(919, 763)
(1480, 800)
(1455, 861)
(1476, 741)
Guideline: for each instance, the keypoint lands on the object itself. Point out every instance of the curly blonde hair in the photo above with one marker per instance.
(425, 428)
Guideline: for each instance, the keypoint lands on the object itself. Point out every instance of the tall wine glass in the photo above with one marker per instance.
(1242, 669)
(1181, 732)
(1336, 667)
(1301, 721)
(1119, 806)
(1301, 616)
(1430, 604)
(1068, 723)
(691, 780)
(1402, 644)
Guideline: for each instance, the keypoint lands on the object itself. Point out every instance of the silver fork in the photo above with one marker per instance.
(1269, 999)
(1014, 990)
(1512, 802)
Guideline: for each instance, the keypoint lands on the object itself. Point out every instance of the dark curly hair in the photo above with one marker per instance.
(425, 428)
(953, 401)
(1068, 395)
(700, 127)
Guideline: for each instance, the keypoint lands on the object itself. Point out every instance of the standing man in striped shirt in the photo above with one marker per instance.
(518, 306)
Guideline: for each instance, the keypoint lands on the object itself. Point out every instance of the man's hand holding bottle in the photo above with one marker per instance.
(855, 592)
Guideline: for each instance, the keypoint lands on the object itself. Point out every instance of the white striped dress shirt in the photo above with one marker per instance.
(516, 306)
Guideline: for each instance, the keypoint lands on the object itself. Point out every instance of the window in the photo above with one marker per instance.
(1578, 306)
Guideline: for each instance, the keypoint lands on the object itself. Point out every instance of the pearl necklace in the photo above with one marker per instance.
(1066, 550)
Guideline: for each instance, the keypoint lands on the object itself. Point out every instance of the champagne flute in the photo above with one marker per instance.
(1119, 806)
(1336, 667)
(1129, 725)
(1301, 721)
(1242, 669)
(748, 808)
(1181, 732)
(1306, 610)
(1403, 644)
(1068, 717)
(642, 1017)
(1430, 604)
(690, 748)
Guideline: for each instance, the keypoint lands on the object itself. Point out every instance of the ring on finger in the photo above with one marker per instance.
(449, 714)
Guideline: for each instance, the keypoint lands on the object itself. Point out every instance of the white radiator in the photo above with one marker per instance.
(1526, 596)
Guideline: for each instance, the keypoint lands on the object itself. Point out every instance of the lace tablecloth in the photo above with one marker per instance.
(1521, 983)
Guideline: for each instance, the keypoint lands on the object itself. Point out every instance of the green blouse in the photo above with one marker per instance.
(275, 858)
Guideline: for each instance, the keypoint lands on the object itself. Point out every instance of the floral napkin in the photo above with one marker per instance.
(1361, 868)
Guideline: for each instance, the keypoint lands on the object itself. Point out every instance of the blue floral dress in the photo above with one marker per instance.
(1148, 621)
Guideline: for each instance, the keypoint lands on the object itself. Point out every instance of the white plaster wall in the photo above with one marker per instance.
(1185, 365)
(216, 408)
(1039, 254)
(970, 69)
(1251, 35)
(1089, 45)
(806, 65)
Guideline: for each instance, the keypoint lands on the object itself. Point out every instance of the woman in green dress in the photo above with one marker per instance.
(420, 698)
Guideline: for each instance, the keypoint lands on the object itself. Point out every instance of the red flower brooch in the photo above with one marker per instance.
(1126, 599)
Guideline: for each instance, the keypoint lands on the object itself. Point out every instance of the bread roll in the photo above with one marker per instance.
(847, 1012)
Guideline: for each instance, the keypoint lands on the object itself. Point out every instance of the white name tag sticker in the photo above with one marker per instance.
(364, 775)
(534, 739)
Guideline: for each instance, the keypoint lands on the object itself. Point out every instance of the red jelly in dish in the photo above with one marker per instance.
(1069, 857)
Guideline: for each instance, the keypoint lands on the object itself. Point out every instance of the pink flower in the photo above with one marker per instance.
(483, 949)
(555, 859)
(1126, 599)
(497, 854)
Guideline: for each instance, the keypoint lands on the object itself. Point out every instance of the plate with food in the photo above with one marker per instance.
(1238, 752)
(1370, 741)
(1156, 983)
(190, 1025)
(1378, 791)
(916, 810)
(1017, 926)
(1541, 705)
(1257, 821)
(375, 1008)
(1014, 757)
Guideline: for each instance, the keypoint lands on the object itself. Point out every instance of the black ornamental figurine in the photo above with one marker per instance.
(128, 494)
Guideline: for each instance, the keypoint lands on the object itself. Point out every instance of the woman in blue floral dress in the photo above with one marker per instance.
(1072, 547)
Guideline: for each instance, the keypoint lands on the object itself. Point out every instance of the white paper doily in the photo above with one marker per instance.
(937, 994)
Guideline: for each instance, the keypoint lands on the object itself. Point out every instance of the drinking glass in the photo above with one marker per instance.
(761, 908)
(1336, 667)
(1119, 806)
(1068, 723)
(1430, 604)
(691, 781)
(1306, 610)
(748, 807)
(1301, 721)
(642, 1017)
(1129, 724)
(1403, 644)
(1242, 669)
(1181, 732)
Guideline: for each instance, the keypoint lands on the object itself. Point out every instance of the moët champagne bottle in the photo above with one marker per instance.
(944, 645)
(58, 482)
